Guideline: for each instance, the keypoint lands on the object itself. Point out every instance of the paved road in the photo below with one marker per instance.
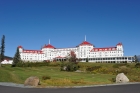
(130, 88)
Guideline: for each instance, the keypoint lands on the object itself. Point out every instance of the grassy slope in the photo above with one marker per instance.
(18, 75)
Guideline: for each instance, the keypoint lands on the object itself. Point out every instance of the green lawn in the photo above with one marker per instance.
(19, 75)
(104, 75)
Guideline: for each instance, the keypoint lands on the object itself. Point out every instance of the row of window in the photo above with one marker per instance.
(105, 52)
(59, 50)
(101, 55)
(31, 58)
(121, 58)
(86, 47)
(35, 54)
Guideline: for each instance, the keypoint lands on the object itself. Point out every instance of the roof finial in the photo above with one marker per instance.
(49, 41)
(85, 37)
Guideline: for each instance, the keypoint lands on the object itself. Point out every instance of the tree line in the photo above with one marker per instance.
(16, 58)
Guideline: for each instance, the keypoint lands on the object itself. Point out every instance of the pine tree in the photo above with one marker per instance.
(16, 58)
(136, 59)
(2, 49)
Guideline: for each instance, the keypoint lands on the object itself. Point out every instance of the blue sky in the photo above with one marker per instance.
(31, 23)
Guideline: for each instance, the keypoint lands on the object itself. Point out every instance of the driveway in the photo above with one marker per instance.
(126, 88)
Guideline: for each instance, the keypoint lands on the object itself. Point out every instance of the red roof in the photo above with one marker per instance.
(20, 47)
(119, 44)
(48, 46)
(103, 49)
(85, 43)
(6, 59)
(33, 51)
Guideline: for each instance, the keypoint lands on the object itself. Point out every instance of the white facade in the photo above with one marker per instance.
(7, 61)
(82, 51)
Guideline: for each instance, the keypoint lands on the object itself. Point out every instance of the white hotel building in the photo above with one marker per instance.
(84, 50)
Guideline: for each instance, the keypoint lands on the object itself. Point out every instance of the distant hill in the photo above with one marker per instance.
(7, 57)
(138, 56)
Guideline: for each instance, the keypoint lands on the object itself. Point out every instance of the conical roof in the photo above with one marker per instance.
(48, 46)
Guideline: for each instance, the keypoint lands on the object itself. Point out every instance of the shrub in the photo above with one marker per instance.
(93, 68)
(32, 64)
(119, 65)
(46, 77)
(87, 60)
(18, 64)
(116, 66)
(137, 65)
(70, 66)
(105, 70)
(124, 70)
(54, 64)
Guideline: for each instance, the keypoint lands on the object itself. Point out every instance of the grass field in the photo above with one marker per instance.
(60, 78)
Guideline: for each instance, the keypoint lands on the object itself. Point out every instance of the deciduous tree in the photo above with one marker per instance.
(73, 57)
(72, 65)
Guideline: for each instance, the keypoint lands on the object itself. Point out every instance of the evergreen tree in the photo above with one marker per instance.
(2, 49)
(136, 59)
(16, 58)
